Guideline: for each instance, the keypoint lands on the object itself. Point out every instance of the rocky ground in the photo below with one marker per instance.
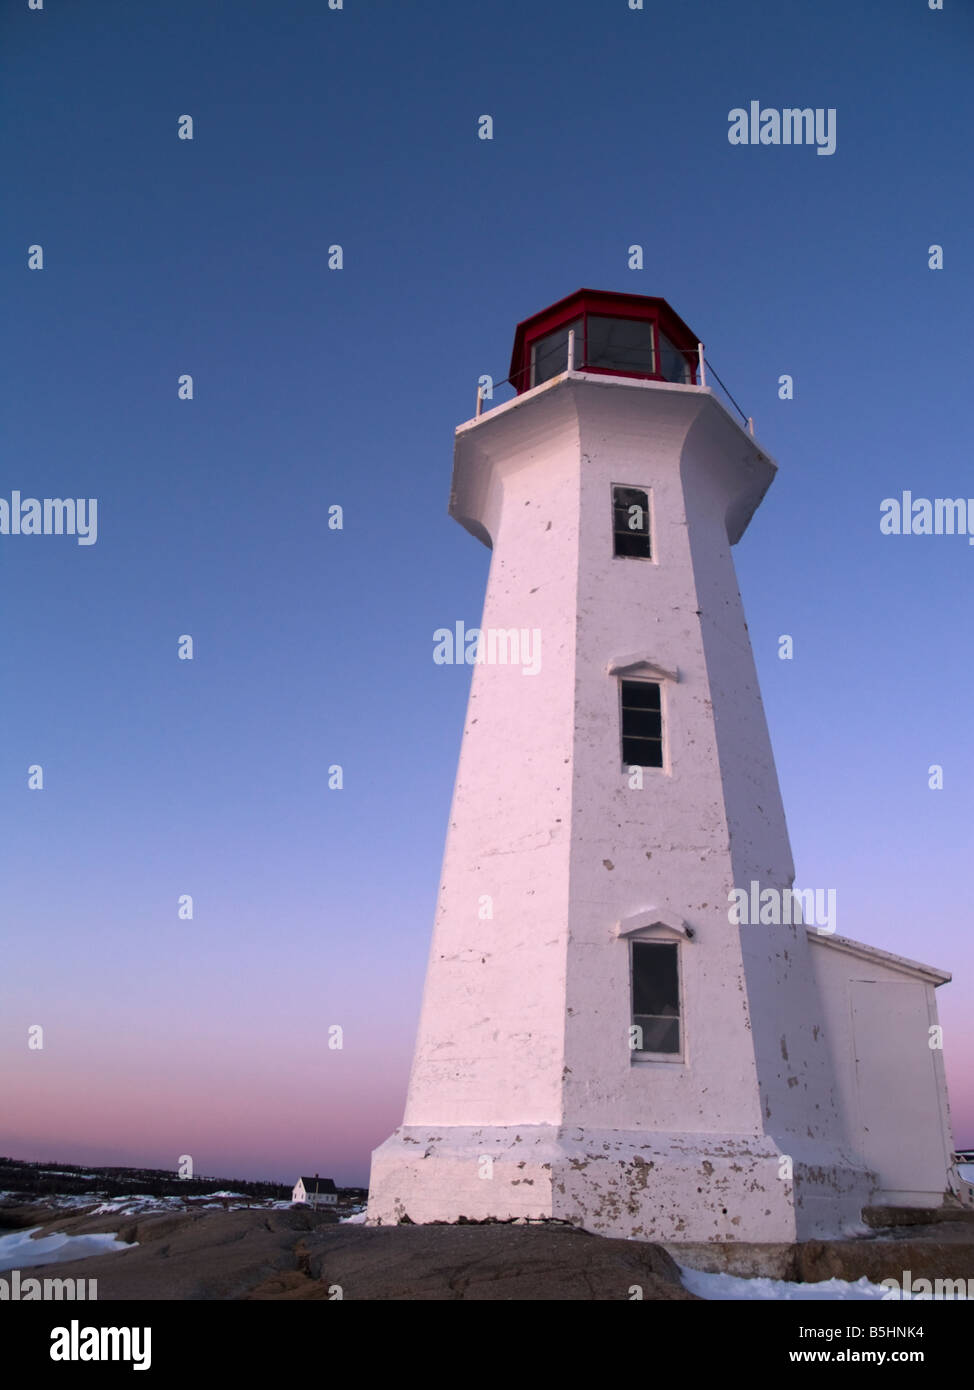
(299, 1254)
(294, 1253)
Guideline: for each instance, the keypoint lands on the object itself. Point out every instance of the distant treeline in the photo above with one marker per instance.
(70, 1179)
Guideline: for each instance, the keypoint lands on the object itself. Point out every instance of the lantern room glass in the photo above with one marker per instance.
(608, 343)
(549, 356)
(620, 345)
(673, 362)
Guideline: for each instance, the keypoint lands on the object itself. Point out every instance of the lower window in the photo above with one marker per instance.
(655, 998)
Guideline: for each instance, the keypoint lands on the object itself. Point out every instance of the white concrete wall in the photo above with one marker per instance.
(684, 839)
(490, 1046)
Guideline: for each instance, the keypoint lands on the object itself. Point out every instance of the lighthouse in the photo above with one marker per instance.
(608, 1035)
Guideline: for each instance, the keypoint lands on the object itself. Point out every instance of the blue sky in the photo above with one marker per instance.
(314, 387)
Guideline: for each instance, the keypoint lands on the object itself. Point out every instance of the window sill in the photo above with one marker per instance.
(668, 1059)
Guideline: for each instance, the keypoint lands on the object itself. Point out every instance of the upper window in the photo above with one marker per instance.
(642, 724)
(630, 522)
(655, 997)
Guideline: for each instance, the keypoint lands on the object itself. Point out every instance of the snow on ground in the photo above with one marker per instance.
(18, 1251)
(730, 1286)
(141, 1204)
(68, 1202)
(61, 1203)
(137, 1205)
(356, 1219)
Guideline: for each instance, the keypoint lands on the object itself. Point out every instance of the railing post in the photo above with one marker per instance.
(750, 425)
(703, 368)
(571, 349)
(480, 402)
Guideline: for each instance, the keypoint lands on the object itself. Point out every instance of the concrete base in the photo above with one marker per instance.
(631, 1184)
(741, 1258)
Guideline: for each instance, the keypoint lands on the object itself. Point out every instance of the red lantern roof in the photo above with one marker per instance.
(633, 335)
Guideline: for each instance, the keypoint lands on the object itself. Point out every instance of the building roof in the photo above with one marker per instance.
(928, 973)
(322, 1184)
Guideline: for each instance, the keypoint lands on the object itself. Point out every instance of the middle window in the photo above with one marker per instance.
(642, 724)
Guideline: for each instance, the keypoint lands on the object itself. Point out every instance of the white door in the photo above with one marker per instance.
(898, 1088)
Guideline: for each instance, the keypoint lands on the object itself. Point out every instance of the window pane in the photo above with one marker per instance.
(632, 520)
(655, 989)
(625, 497)
(640, 695)
(658, 1034)
(642, 723)
(673, 364)
(642, 752)
(631, 544)
(549, 356)
(625, 345)
(630, 507)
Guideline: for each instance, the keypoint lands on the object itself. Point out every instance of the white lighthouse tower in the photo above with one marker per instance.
(603, 1037)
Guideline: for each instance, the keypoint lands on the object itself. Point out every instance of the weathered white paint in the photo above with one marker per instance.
(524, 1098)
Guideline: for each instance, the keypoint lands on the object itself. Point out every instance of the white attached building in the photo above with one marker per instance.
(604, 1037)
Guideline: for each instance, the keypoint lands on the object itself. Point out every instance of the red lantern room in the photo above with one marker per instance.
(632, 335)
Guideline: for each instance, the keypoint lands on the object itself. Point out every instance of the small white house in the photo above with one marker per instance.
(315, 1192)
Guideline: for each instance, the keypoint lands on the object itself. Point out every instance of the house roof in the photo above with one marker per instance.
(322, 1184)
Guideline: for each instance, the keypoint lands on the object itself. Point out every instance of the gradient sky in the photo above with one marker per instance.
(313, 387)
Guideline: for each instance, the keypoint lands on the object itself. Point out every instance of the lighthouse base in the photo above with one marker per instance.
(628, 1183)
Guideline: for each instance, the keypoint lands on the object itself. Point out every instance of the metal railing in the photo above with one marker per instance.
(702, 366)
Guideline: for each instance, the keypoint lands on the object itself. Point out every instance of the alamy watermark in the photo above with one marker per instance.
(491, 646)
(18, 1290)
(792, 125)
(926, 1290)
(907, 515)
(77, 1343)
(50, 516)
(776, 907)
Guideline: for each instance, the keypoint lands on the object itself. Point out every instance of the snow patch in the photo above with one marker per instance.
(718, 1287)
(18, 1251)
(138, 1205)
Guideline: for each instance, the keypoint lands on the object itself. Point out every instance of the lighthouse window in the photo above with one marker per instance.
(655, 997)
(620, 345)
(549, 356)
(642, 724)
(673, 363)
(630, 522)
